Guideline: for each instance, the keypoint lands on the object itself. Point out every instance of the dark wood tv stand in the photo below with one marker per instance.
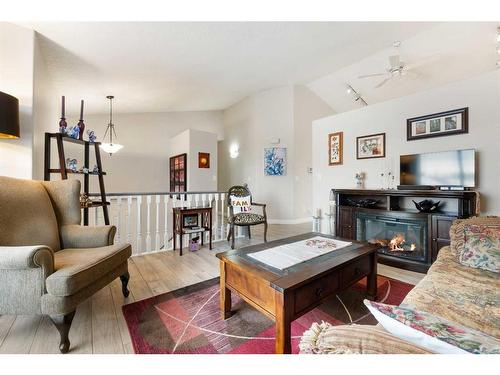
(392, 206)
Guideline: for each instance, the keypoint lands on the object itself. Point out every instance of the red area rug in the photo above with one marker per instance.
(187, 320)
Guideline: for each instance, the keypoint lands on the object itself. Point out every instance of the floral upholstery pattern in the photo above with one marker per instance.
(457, 231)
(460, 294)
(464, 338)
(248, 218)
(323, 338)
(481, 247)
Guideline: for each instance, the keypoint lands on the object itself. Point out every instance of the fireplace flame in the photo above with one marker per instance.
(395, 244)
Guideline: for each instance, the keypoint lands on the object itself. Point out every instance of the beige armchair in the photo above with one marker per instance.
(49, 263)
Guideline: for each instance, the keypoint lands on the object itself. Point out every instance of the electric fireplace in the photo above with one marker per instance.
(399, 235)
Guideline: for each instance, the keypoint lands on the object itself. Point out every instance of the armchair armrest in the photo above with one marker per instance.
(79, 236)
(25, 257)
(263, 205)
(259, 204)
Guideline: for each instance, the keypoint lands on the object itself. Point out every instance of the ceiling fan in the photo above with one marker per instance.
(397, 68)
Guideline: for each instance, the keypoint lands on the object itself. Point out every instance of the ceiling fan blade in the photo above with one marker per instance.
(372, 75)
(382, 83)
(394, 61)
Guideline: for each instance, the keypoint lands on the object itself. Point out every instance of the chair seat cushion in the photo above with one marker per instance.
(74, 269)
(248, 218)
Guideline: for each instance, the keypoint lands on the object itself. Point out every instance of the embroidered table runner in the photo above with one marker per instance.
(288, 255)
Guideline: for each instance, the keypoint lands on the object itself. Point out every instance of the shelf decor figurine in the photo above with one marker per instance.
(85, 201)
(426, 205)
(81, 125)
(73, 132)
(72, 164)
(360, 180)
(95, 169)
(62, 123)
(92, 136)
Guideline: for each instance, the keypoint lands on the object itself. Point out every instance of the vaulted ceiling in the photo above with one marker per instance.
(182, 66)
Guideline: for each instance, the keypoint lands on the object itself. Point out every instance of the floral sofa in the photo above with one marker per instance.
(461, 287)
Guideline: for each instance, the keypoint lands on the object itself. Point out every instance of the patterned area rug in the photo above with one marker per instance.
(187, 320)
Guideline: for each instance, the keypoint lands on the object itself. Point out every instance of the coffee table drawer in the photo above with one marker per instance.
(310, 294)
(354, 271)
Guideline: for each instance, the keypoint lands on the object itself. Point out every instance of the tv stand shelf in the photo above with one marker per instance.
(390, 198)
(390, 205)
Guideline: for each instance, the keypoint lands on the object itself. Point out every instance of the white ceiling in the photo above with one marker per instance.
(444, 53)
(178, 66)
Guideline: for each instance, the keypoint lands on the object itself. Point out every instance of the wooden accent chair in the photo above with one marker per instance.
(49, 263)
(244, 219)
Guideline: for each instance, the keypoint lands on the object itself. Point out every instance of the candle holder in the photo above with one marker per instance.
(81, 124)
(62, 123)
(331, 223)
(316, 223)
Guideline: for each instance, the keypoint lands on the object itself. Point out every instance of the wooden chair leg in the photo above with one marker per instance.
(63, 324)
(265, 232)
(249, 232)
(232, 235)
(124, 279)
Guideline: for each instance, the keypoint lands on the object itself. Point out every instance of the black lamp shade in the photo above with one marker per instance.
(9, 116)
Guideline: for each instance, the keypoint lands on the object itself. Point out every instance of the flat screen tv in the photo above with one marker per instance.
(447, 168)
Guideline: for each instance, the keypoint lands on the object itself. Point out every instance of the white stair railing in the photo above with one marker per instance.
(145, 219)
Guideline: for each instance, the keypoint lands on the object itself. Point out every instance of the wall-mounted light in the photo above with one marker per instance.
(234, 150)
(498, 45)
(356, 95)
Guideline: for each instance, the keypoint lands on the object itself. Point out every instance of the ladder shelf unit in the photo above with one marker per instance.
(64, 172)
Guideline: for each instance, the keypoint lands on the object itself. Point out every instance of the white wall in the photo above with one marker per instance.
(191, 142)
(46, 110)
(284, 113)
(253, 123)
(142, 165)
(481, 94)
(307, 108)
(16, 79)
(202, 179)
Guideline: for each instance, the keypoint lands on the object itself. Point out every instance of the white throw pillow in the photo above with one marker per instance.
(432, 332)
(241, 204)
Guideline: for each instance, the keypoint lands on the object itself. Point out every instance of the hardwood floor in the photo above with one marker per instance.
(99, 326)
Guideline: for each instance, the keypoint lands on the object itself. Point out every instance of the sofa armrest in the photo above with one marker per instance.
(79, 236)
(26, 257)
(353, 339)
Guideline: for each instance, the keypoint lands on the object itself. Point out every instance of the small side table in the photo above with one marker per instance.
(205, 224)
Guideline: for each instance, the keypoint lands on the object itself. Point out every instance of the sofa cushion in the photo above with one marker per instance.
(481, 247)
(432, 332)
(353, 339)
(241, 204)
(248, 218)
(460, 294)
(27, 217)
(457, 231)
(77, 268)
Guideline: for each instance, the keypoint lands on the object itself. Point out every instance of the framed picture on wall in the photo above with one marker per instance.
(275, 161)
(335, 148)
(438, 124)
(370, 146)
(203, 160)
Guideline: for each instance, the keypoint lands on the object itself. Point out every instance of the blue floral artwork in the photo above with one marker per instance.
(275, 161)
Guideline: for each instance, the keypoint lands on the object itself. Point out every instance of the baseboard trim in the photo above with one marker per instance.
(290, 221)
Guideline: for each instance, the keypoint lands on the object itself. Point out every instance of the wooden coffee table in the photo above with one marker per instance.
(285, 295)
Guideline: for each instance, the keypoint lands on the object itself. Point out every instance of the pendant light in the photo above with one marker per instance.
(110, 147)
